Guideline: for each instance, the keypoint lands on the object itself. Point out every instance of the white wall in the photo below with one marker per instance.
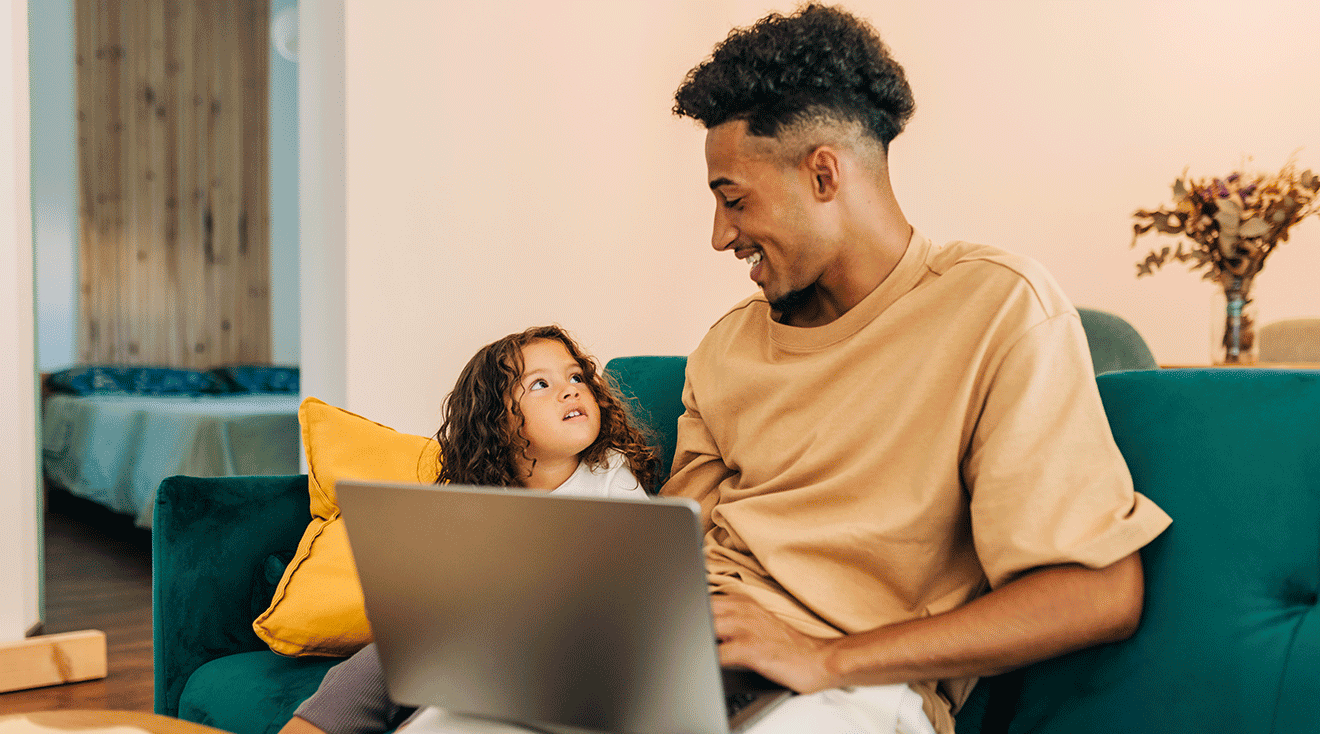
(19, 595)
(514, 163)
(321, 205)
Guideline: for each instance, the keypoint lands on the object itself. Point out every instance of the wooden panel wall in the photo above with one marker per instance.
(174, 177)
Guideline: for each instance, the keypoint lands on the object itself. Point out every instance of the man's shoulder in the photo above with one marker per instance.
(996, 267)
(749, 319)
(752, 309)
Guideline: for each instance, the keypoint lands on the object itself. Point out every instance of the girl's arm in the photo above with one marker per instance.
(351, 700)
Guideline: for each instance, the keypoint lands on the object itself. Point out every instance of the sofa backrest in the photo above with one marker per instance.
(653, 387)
(1115, 344)
(1230, 635)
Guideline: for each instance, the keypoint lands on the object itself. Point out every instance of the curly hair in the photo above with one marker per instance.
(480, 438)
(820, 64)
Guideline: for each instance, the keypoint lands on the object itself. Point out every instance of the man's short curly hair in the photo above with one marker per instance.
(819, 64)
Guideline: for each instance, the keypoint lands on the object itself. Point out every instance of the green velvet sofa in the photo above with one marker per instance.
(1229, 640)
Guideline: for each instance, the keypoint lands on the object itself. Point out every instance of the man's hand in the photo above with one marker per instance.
(752, 638)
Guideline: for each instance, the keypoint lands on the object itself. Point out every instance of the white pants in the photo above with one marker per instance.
(892, 709)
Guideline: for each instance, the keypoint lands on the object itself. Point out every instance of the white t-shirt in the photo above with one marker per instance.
(615, 479)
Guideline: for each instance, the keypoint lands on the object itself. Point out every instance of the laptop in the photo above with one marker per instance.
(562, 614)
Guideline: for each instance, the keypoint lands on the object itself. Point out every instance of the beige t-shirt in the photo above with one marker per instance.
(945, 432)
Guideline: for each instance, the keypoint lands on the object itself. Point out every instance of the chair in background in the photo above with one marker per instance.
(1290, 340)
(1115, 344)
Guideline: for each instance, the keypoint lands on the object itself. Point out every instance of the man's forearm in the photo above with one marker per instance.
(1043, 614)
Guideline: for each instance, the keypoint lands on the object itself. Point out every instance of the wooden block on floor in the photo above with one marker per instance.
(51, 660)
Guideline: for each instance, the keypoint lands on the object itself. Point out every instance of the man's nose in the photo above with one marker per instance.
(724, 234)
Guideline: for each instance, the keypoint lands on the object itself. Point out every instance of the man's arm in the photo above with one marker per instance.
(1042, 614)
(698, 467)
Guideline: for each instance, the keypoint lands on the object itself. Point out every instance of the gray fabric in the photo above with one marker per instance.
(1291, 340)
(352, 698)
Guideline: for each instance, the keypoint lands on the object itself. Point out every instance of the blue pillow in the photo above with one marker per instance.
(132, 380)
(259, 378)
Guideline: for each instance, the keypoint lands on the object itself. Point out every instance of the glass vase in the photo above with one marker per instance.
(1233, 325)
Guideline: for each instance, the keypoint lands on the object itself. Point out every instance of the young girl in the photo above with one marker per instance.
(530, 410)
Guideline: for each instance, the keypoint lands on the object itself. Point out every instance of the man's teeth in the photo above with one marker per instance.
(753, 259)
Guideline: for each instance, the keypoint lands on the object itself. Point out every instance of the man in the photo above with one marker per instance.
(884, 433)
(888, 429)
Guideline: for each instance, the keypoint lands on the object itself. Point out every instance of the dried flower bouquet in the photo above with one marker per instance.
(1233, 223)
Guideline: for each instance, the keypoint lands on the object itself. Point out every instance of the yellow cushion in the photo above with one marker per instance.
(317, 608)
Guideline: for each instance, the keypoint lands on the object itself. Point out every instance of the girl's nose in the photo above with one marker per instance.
(571, 390)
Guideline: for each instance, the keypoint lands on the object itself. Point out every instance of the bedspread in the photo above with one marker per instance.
(116, 449)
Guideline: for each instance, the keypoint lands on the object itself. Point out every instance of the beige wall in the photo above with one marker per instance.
(514, 163)
(1042, 125)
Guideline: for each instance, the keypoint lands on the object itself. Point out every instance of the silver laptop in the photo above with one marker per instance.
(560, 613)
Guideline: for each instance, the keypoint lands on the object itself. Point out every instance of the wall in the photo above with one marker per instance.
(285, 324)
(1042, 125)
(513, 163)
(55, 189)
(321, 205)
(19, 533)
(54, 181)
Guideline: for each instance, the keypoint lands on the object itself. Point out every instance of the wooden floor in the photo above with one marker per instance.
(98, 576)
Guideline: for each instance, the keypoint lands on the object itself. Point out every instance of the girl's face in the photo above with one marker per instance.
(560, 415)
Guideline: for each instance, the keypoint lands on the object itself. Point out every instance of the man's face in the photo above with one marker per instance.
(762, 213)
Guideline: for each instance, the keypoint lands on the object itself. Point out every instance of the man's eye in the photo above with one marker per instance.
(731, 203)
(538, 384)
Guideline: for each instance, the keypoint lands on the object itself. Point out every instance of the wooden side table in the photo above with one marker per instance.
(90, 721)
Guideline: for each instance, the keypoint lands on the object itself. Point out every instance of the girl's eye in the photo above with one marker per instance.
(538, 385)
(575, 378)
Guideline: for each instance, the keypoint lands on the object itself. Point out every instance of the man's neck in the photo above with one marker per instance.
(851, 280)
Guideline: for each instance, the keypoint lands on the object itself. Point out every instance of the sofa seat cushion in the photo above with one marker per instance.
(251, 692)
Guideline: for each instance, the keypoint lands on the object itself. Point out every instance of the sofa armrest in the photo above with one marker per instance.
(209, 538)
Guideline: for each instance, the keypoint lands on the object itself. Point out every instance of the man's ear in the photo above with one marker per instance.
(823, 166)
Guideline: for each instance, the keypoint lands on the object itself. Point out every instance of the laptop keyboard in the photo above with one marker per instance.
(735, 702)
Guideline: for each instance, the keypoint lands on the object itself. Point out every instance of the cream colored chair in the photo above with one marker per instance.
(1291, 340)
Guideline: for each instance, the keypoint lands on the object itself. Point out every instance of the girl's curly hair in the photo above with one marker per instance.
(821, 63)
(480, 438)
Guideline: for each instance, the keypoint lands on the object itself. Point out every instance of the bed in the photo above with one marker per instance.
(110, 434)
